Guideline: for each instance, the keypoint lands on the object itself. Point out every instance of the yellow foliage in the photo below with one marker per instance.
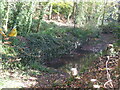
(13, 33)
(2, 33)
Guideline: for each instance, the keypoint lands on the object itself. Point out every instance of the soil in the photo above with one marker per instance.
(97, 44)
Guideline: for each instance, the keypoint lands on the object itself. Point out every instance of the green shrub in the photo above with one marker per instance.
(111, 28)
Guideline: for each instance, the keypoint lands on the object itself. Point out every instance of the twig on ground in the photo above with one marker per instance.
(109, 82)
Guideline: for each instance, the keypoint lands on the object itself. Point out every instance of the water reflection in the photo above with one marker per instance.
(79, 61)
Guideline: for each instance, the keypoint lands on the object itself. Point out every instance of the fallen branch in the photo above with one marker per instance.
(109, 82)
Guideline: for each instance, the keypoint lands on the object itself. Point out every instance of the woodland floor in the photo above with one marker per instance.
(97, 70)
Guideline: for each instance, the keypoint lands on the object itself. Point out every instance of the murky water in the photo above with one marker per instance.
(81, 60)
(78, 62)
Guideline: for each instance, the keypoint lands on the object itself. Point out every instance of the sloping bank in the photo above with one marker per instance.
(56, 43)
(36, 48)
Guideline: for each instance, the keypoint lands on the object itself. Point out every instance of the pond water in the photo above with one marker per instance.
(80, 60)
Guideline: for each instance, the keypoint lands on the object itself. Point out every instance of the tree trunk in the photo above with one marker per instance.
(105, 3)
(7, 17)
(119, 11)
(74, 13)
(50, 12)
(68, 17)
(40, 17)
(42, 12)
(58, 14)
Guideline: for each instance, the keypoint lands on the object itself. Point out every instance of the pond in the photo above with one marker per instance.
(82, 57)
(80, 60)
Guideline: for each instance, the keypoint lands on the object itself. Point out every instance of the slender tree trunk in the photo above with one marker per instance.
(1, 51)
(74, 13)
(119, 11)
(105, 3)
(58, 14)
(40, 17)
(1, 48)
(7, 17)
(31, 16)
(50, 10)
(42, 12)
(68, 17)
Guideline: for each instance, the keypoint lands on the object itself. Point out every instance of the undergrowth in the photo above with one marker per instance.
(114, 28)
(54, 42)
